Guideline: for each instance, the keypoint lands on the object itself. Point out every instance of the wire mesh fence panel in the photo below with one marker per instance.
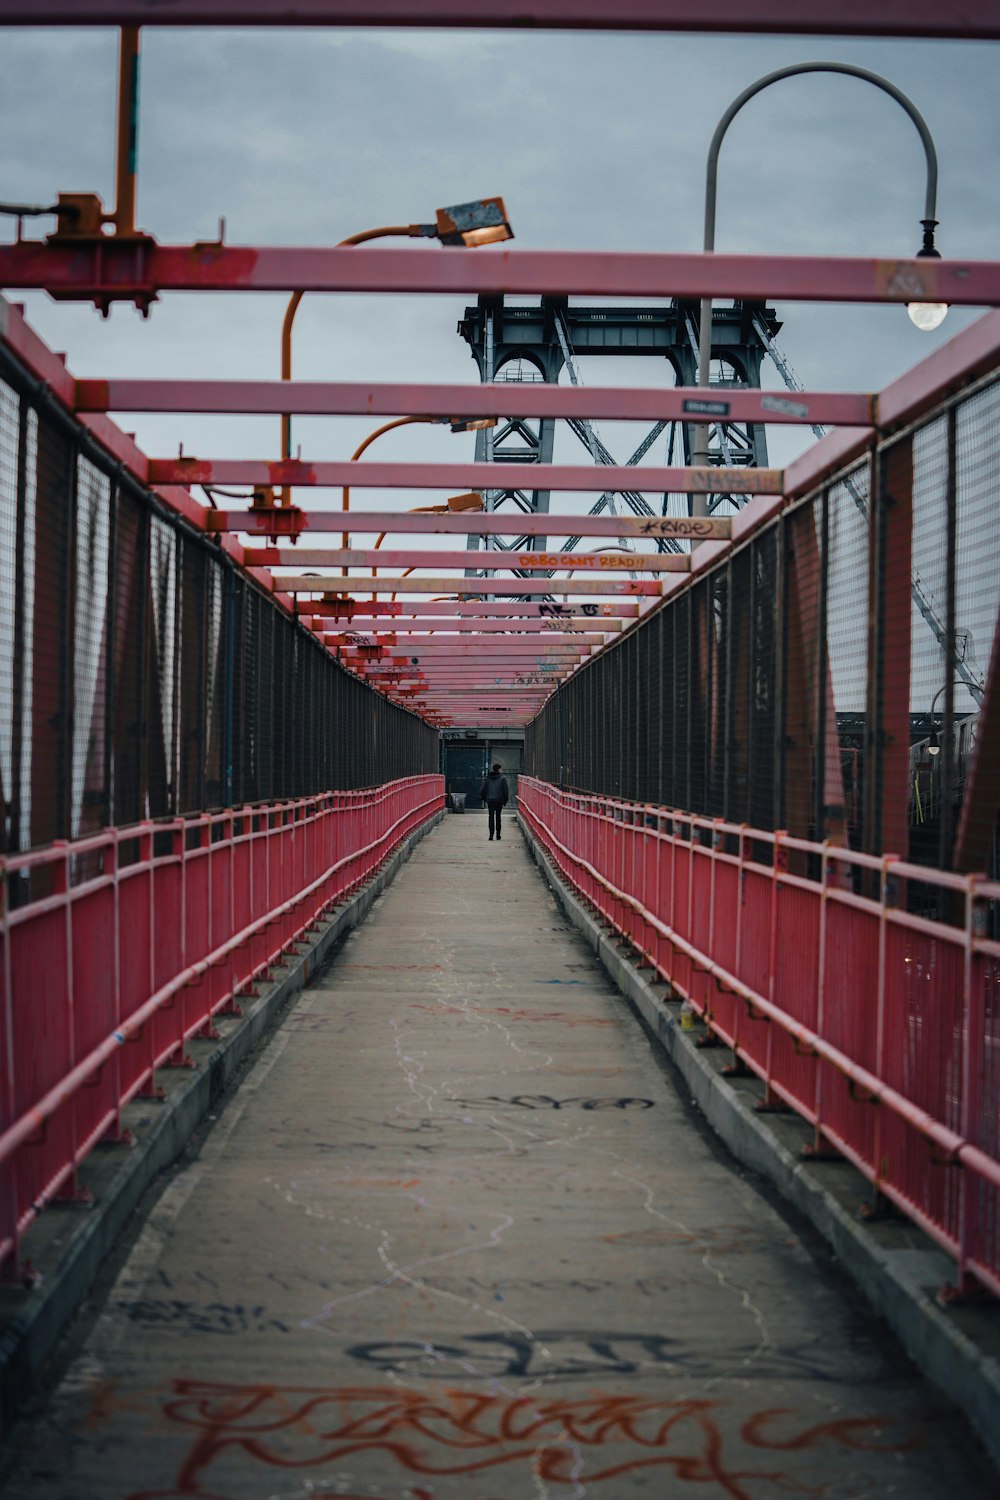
(763, 680)
(739, 688)
(10, 470)
(699, 676)
(804, 691)
(47, 656)
(128, 629)
(717, 707)
(141, 674)
(680, 680)
(89, 786)
(161, 673)
(217, 669)
(930, 690)
(846, 566)
(977, 583)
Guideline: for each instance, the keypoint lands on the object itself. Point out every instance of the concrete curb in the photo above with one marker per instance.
(68, 1246)
(896, 1267)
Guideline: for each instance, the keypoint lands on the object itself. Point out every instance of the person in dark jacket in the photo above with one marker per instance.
(495, 794)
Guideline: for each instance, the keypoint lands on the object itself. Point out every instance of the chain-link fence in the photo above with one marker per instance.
(827, 676)
(142, 674)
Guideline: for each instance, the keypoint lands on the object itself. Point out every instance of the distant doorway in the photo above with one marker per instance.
(466, 762)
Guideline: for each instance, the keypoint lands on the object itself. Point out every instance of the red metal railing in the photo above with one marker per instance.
(878, 1025)
(143, 936)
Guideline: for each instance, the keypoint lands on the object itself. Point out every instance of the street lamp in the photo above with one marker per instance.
(926, 315)
(457, 424)
(934, 744)
(481, 222)
(470, 500)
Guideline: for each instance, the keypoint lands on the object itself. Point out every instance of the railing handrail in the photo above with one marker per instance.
(671, 942)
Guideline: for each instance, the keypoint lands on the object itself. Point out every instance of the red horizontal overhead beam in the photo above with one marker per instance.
(498, 689)
(524, 679)
(902, 18)
(474, 609)
(345, 557)
(282, 521)
(413, 636)
(109, 270)
(486, 651)
(307, 583)
(318, 398)
(461, 476)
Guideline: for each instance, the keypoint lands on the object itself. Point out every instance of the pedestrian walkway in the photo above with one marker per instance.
(458, 1236)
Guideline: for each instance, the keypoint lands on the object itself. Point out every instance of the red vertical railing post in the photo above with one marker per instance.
(887, 893)
(973, 1059)
(826, 878)
(779, 864)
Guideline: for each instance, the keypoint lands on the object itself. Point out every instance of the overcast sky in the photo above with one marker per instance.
(303, 137)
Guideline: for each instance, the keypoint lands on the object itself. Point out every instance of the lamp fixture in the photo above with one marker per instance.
(927, 315)
(482, 222)
(471, 424)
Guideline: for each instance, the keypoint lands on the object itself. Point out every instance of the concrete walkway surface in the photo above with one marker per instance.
(460, 1236)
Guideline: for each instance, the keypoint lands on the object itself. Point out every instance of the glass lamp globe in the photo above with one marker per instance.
(927, 315)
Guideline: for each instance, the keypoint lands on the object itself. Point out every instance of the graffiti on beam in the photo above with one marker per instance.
(678, 526)
(585, 561)
(559, 611)
(237, 1430)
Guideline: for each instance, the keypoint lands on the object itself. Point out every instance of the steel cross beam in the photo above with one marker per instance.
(281, 520)
(129, 270)
(544, 399)
(309, 583)
(611, 616)
(895, 18)
(511, 651)
(415, 642)
(454, 476)
(341, 557)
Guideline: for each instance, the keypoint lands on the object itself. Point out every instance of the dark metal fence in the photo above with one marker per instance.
(142, 674)
(826, 676)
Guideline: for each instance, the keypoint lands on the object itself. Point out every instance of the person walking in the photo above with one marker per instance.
(494, 792)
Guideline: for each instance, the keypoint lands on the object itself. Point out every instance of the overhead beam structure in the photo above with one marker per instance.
(456, 476)
(544, 399)
(591, 562)
(107, 270)
(890, 18)
(264, 520)
(309, 583)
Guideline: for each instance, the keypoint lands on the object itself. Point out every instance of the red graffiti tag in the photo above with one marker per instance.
(464, 1433)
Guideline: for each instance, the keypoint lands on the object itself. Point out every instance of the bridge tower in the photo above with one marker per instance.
(536, 342)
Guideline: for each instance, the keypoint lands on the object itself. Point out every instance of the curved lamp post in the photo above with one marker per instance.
(470, 500)
(925, 315)
(483, 222)
(457, 424)
(934, 742)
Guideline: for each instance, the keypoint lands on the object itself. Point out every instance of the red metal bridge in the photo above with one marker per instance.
(761, 756)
